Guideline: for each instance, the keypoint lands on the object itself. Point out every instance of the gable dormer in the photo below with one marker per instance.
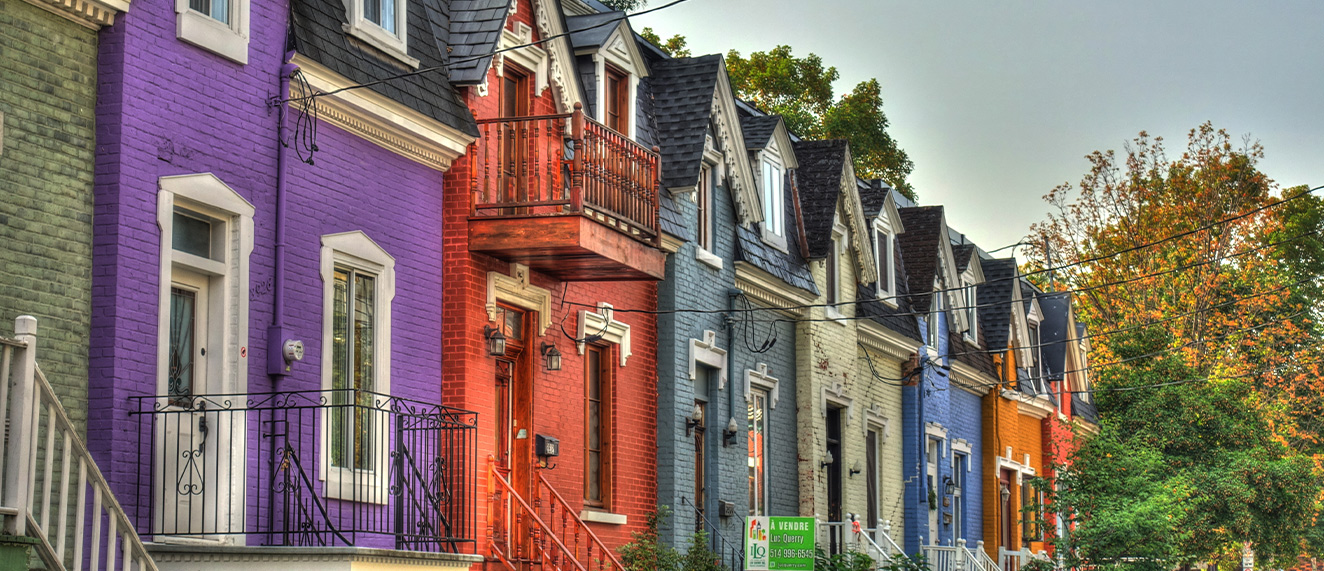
(971, 274)
(611, 63)
(772, 158)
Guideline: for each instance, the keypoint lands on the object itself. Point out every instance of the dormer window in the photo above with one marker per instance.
(704, 197)
(1036, 357)
(935, 318)
(833, 279)
(971, 310)
(616, 107)
(882, 255)
(774, 201)
(382, 25)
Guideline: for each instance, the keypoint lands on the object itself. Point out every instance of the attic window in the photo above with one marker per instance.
(1036, 358)
(616, 107)
(971, 311)
(882, 253)
(774, 204)
(935, 318)
(381, 24)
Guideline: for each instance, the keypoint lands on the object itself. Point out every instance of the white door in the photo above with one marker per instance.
(933, 489)
(193, 479)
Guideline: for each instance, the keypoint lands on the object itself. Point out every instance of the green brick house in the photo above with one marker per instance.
(48, 97)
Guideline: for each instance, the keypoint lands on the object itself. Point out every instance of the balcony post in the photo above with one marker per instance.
(577, 165)
(656, 180)
(19, 460)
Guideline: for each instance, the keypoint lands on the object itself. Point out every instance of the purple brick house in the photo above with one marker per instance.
(265, 354)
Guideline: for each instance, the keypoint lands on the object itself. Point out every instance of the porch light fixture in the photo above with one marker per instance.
(827, 460)
(855, 468)
(551, 357)
(729, 435)
(693, 421)
(949, 486)
(1006, 493)
(496, 341)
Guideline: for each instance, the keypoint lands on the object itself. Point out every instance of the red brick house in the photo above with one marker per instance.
(556, 225)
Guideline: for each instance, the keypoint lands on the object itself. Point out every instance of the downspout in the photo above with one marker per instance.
(731, 295)
(277, 366)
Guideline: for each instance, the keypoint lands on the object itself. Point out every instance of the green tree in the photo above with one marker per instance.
(625, 5)
(800, 89)
(674, 47)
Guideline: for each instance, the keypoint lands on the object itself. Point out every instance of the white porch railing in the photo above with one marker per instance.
(1013, 560)
(46, 466)
(849, 536)
(960, 557)
(982, 559)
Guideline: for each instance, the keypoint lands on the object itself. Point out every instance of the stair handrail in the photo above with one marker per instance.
(24, 394)
(579, 523)
(495, 477)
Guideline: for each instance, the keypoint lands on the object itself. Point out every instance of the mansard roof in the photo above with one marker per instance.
(819, 180)
(1055, 332)
(964, 253)
(592, 30)
(920, 246)
(475, 32)
(758, 130)
(318, 34)
(683, 104)
(995, 299)
(899, 318)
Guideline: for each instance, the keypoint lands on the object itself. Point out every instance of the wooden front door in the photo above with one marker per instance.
(514, 431)
(1008, 518)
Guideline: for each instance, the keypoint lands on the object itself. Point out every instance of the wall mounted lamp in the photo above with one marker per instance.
(855, 468)
(694, 420)
(729, 435)
(1006, 493)
(948, 485)
(496, 341)
(827, 460)
(551, 357)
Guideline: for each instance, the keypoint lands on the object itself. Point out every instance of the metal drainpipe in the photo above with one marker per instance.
(731, 295)
(276, 365)
(922, 442)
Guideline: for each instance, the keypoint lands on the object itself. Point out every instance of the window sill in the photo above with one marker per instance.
(887, 298)
(595, 516)
(212, 35)
(775, 240)
(353, 486)
(708, 258)
(379, 38)
(836, 316)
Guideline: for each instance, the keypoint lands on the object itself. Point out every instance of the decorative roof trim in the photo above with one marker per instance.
(740, 173)
(90, 13)
(380, 119)
(771, 291)
(983, 382)
(562, 56)
(867, 271)
(874, 335)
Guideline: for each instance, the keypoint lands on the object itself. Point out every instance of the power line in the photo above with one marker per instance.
(453, 62)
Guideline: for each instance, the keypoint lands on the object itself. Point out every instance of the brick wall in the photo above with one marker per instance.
(47, 98)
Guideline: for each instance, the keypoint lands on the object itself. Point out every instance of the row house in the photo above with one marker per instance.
(942, 417)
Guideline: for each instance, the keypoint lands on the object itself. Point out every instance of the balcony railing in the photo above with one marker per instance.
(566, 164)
(310, 468)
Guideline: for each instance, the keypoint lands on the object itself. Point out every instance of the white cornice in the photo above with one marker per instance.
(874, 335)
(770, 290)
(384, 121)
(671, 244)
(91, 13)
(1038, 406)
(983, 382)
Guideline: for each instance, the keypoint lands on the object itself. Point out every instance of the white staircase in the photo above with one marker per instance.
(50, 488)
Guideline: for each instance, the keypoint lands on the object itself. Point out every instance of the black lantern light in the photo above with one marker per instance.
(551, 357)
(496, 341)
(949, 485)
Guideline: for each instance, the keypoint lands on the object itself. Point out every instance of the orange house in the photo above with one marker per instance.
(551, 222)
(1015, 413)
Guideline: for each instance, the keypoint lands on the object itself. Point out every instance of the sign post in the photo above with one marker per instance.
(779, 543)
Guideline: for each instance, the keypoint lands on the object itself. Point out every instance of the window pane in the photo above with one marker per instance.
(388, 15)
(340, 340)
(353, 376)
(758, 427)
(220, 10)
(183, 307)
(191, 235)
(364, 336)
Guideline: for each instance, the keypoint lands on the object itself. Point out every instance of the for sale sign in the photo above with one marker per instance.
(779, 544)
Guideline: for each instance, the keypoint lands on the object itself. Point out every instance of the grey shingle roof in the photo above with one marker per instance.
(873, 195)
(819, 177)
(899, 318)
(1053, 332)
(683, 100)
(475, 31)
(757, 130)
(995, 302)
(919, 246)
(1085, 410)
(670, 218)
(319, 34)
(592, 30)
(963, 254)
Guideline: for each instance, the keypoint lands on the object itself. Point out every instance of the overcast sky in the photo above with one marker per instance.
(998, 102)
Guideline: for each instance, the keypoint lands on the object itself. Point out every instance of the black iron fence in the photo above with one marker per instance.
(730, 555)
(308, 468)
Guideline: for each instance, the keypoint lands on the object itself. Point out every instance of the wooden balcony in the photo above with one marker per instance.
(566, 196)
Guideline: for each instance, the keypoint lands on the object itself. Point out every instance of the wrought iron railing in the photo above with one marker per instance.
(732, 555)
(307, 468)
(542, 532)
(49, 476)
(564, 164)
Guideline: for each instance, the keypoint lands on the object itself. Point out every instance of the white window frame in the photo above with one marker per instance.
(832, 273)
(769, 400)
(709, 174)
(935, 315)
(394, 44)
(886, 283)
(1036, 335)
(356, 250)
(227, 273)
(772, 171)
(228, 40)
(972, 318)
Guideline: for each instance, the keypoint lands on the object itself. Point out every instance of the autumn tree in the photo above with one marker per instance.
(625, 5)
(800, 89)
(674, 47)
(1209, 395)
